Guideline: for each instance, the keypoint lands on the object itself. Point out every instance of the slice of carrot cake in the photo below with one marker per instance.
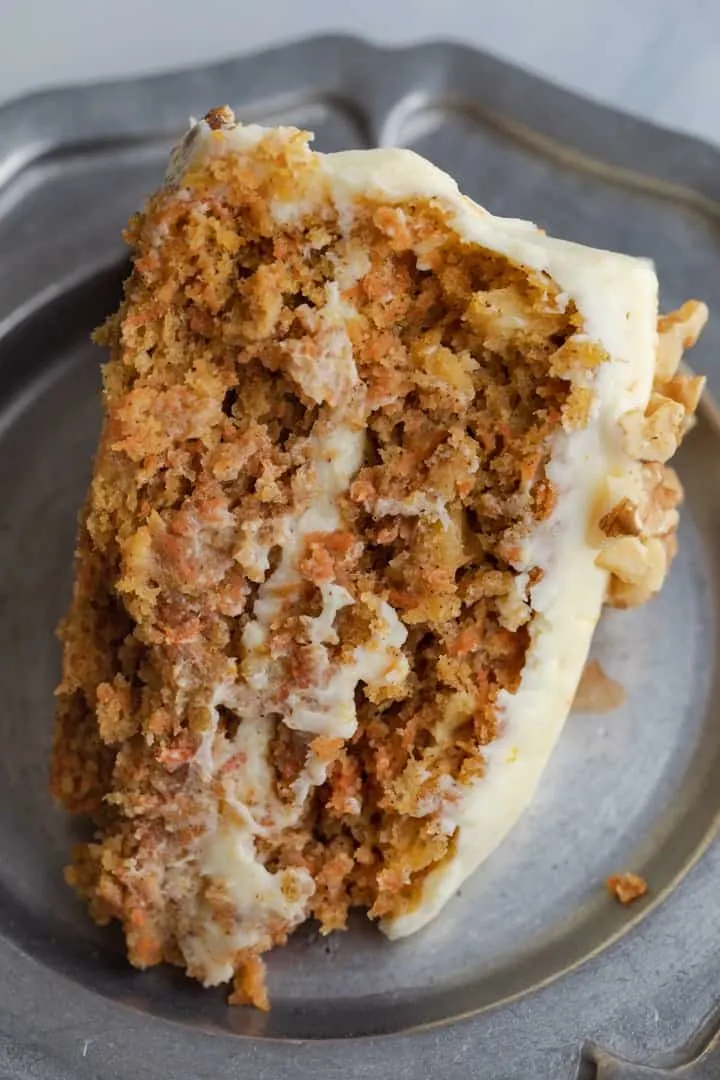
(372, 461)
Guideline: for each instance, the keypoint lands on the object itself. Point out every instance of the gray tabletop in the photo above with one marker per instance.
(657, 58)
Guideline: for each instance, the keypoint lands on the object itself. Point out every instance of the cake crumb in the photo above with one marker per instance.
(249, 986)
(627, 887)
(597, 692)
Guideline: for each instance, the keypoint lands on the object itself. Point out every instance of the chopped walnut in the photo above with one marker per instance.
(687, 390)
(626, 557)
(637, 513)
(627, 887)
(654, 435)
(676, 332)
(662, 494)
(622, 520)
(637, 569)
(643, 502)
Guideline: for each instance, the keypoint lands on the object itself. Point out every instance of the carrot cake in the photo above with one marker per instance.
(372, 461)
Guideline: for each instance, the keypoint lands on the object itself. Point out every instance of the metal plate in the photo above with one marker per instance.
(532, 969)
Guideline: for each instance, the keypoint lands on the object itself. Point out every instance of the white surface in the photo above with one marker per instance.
(658, 58)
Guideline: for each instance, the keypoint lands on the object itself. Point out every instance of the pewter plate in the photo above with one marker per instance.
(532, 971)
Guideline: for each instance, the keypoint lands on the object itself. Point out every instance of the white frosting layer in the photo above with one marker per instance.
(617, 299)
(567, 601)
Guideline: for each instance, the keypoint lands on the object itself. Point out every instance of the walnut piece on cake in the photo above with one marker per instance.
(372, 460)
(640, 526)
